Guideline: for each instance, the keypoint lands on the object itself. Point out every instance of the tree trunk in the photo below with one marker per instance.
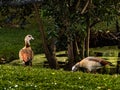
(50, 56)
(75, 51)
(117, 26)
(70, 56)
(72, 52)
(118, 64)
(87, 40)
(118, 61)
(83, 49)
(81, 44)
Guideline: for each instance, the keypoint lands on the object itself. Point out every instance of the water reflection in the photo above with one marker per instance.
(109, 53)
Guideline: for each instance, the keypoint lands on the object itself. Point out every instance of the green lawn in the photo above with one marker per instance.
(14, 76)
(38, 78)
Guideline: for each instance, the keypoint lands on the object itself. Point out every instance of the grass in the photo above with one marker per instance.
(36, 78)
(14, 76)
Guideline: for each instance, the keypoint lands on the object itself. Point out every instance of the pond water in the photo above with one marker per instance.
(109, 53)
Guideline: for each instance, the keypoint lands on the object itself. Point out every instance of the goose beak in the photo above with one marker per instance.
(32, 38)
(73, 68)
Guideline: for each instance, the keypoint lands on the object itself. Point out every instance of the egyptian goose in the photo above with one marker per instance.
(26, 53)
(91, 64)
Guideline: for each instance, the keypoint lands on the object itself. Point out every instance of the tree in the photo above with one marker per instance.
(63, 12)
(49, 52)
(69, 13)
(97, 12)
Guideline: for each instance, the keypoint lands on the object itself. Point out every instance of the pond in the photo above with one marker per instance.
(109, 53)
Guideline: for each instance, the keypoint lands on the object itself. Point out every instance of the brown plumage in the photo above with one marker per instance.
(26, 53)
(91, 64)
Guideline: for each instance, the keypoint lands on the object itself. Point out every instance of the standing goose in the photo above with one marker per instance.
(91, 64)
(26, 53)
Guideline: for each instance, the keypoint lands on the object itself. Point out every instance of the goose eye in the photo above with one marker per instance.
(29, 36)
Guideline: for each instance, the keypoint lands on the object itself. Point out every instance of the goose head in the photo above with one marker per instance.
(75, 67)
(28, 38)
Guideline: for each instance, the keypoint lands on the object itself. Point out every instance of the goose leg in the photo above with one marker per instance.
(88, 71)
(30, 63)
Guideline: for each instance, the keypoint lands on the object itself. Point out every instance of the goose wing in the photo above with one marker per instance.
(26, 54)
(100, 60)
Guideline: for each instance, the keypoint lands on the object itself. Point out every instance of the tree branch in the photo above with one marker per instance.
(77, 5)
(85, 7)
(95, 22)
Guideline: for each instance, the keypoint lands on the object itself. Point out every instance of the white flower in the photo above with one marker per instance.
(99, 87)
(55, 83)
(79, 78)
(16, 86)
(35, 86)
(81, 86)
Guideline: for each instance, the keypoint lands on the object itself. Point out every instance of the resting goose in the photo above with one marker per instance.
(91, 64)
(26, 53)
